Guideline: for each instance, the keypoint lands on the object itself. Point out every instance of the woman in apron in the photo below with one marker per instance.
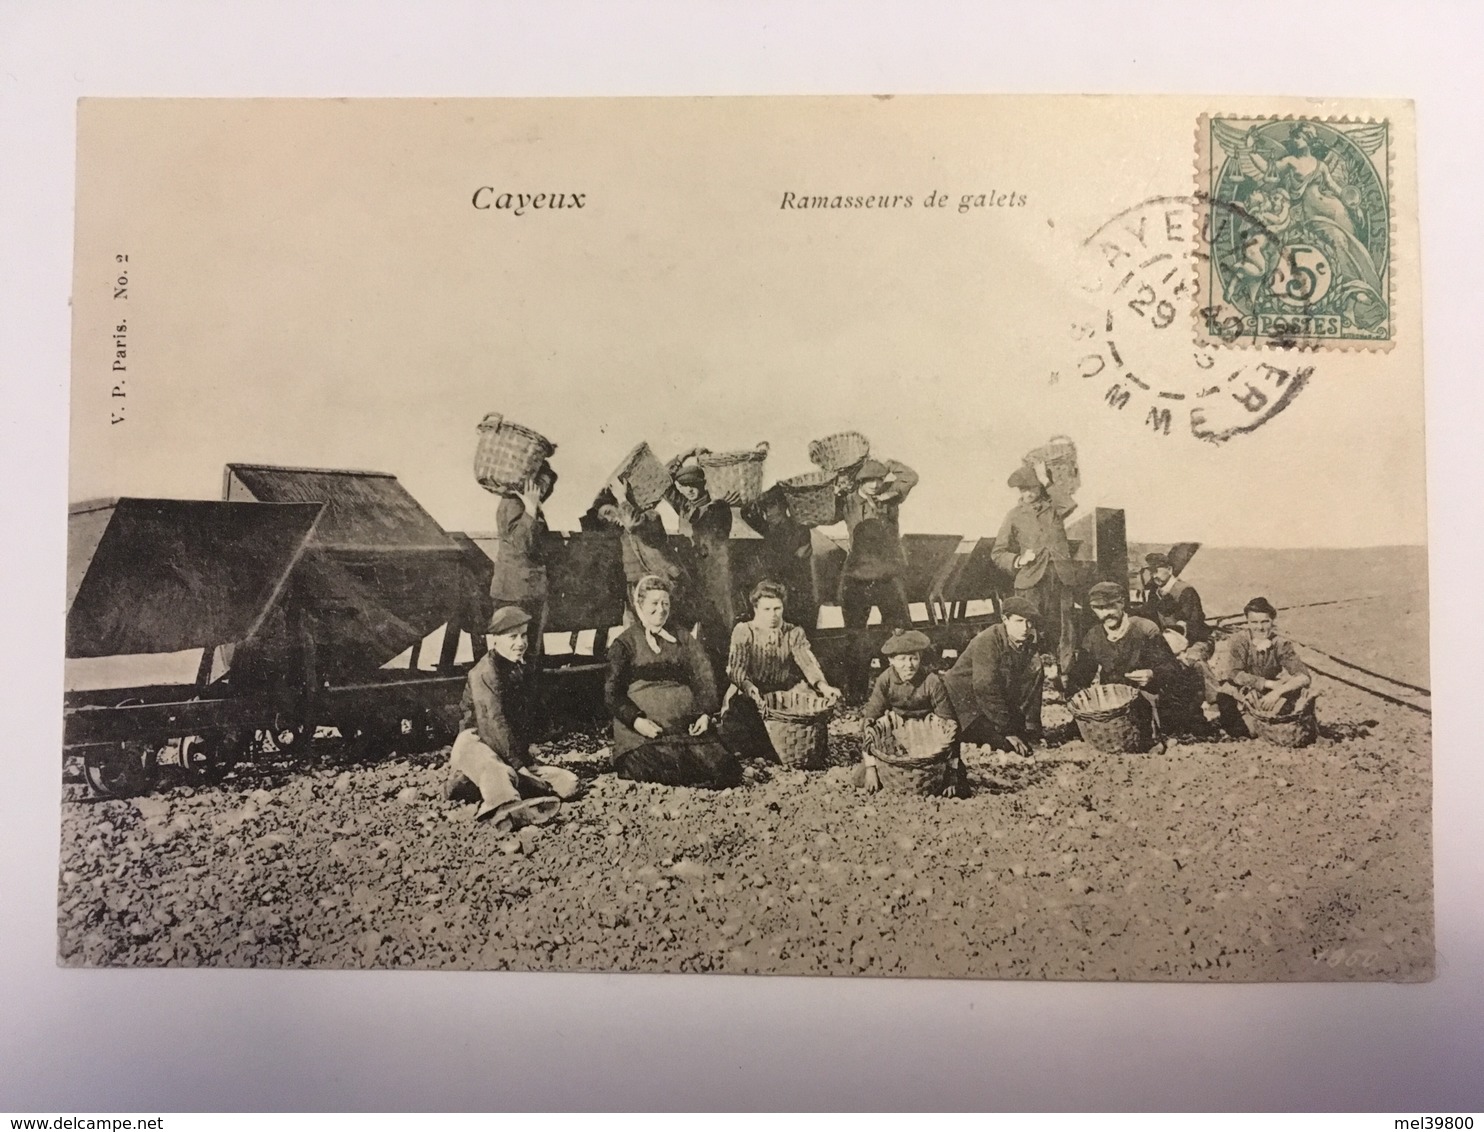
(662, 695)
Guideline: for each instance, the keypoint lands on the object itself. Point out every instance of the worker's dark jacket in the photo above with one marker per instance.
(520, 573)
(1036, 526)
(788, 557)
(496, 704)
(875, 537)
(1180, 609)
(1143, 646)
(708, 523)
(647, 548)
(923, 695)
(998, 682)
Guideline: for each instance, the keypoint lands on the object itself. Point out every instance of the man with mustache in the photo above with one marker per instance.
(1122, 649)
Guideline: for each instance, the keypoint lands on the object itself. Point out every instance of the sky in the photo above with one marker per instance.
(309, 284)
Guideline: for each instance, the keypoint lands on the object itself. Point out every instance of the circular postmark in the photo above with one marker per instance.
(1134, 342)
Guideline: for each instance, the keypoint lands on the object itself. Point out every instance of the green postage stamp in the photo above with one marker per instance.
(1298, 226)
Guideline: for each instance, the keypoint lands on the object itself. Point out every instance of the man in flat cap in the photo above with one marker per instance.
(1175, 603)
(869, 496)
(1124, 649)
(905, 690)
(995, 685)
(492, 753)
(1032, 548)
(1260, 671)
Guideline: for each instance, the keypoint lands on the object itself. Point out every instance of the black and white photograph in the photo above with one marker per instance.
(977, 537)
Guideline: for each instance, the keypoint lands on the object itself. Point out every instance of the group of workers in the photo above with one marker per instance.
(687, 681)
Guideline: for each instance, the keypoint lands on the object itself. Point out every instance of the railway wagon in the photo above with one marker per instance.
(289, 596)
(321, 598)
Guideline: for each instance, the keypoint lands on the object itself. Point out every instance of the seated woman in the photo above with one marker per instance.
(1260, 671)
(767, 654)
(906, 690)
(662, 696)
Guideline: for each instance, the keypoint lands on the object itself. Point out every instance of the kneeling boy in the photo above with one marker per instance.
(906, 690)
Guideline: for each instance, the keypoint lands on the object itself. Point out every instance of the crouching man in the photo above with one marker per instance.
(1259, 672)
(493, 750)
(996, 683)
(1123, 649)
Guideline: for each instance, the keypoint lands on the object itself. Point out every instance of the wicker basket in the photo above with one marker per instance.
(842, 450)
(916, 756)
(508, 454)
(798, 725)
(1114, 718)
(739, 474)
(648, 479)
(1295, 729)
(810, 498)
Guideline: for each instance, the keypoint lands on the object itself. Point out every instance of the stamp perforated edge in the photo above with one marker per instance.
(1202, 197)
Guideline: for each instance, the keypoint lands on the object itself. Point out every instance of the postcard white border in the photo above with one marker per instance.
(193, 1040)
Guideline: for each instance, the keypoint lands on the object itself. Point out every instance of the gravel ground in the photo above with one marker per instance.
(1213, 861)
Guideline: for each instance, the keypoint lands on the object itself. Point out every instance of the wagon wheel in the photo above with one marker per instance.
(119, 770)
(436, 726)
(282, 736)
(209, 758)
(373, 735)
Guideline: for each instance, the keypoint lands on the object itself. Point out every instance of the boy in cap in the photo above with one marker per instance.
(904, 690)
(1032, 548)
(493, 749)
(995, 685)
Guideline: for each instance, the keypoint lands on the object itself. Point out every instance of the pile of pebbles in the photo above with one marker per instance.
(1216, 860)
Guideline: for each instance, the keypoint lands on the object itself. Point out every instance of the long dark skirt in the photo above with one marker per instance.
(742, 731)
(681, 761)
(674, 758)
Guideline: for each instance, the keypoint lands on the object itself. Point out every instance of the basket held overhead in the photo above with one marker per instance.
(1059, 454)
(810, 498)
(646, 477)
(798, 725)
(508, 454)
(839, 451)
(1114, 718)
(739, 474)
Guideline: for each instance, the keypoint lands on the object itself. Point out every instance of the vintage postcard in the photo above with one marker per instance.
(931, 536)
